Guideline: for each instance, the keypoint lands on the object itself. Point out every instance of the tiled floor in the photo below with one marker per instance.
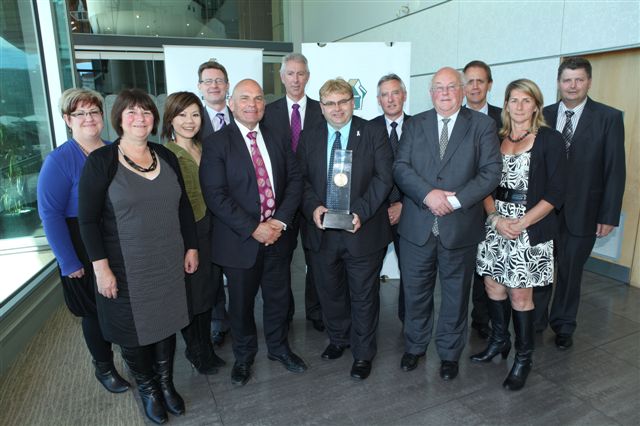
(597, 382)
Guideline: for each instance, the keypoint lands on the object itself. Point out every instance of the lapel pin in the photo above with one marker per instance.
(357, 132)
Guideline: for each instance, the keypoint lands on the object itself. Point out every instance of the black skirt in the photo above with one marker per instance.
(200, 285)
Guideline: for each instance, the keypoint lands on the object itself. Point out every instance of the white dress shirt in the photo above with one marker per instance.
(399, 120)
(303, 109)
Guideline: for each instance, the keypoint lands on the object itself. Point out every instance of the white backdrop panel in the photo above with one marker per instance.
(181, 65)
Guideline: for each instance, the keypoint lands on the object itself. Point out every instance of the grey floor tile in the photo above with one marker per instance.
(626, 349)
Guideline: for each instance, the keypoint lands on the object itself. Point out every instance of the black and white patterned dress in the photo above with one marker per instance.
(515, 263)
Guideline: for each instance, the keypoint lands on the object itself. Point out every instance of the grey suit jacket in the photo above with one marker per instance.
(471, 167)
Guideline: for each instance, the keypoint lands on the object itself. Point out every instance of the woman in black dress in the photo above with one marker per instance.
(138, 227)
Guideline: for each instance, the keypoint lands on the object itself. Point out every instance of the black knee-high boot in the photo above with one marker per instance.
(204, 334)
(523, 327)
(140, 361)
(195, 351)
(164, 354)
(500, 339)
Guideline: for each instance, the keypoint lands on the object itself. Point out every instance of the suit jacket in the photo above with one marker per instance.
(230, 189)
(496, 114)
(381, 121)
(276, 117)
(371, 182)
(596, 168)
(207, 128)
(471, 167)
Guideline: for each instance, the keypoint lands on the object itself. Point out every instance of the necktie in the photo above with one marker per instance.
(221, 122)
(267, 200)
(444, 140)
(567, 131)
(296, 126)
(393, 139)
(332, 190)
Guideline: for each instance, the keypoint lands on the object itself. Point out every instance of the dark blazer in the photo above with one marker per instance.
(207, 128)
(276, 116)
(371, 182)
(230, 189)
(381, 121)
(596, 168)
(471, 167)
(547, 181)
(97, 174)
(496, 114)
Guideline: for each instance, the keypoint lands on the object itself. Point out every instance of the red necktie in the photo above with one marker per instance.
(267, 200)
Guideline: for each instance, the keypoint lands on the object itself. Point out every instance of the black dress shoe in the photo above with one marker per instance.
(240, 373)
(291, 362)
(449, 370)
(409, 361)
(564, 341)
(218, 337)
(360, 369)
(333, 351)
(317, 324)
(483, 329)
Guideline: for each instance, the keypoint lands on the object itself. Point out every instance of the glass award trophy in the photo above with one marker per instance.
(338, 216)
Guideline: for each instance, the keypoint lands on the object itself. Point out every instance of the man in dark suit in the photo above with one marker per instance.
(213, 83)
(444, 180)
(290, 115)
(346, 264)
(252, 185)
(478, 82)
(392, 95)
(594, 139)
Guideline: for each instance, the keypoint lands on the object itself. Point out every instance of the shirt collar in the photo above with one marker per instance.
(344, 130)
(244, 130)
(399, 120)
(302, 102)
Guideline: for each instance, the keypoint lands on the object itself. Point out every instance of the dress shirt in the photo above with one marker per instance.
(562, 118)
(303, 109)
(344, 139)
(453, 200)
(214, 120)
(484, 109)
(399, 120)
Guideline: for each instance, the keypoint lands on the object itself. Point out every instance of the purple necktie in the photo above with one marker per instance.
(221, 122)
(296, 126)
(267, 200)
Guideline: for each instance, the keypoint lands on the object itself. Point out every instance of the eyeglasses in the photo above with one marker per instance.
(444, 89)
(210, 81)
(82, 115)
(340, 103)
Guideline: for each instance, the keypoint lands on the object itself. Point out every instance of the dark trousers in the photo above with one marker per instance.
(348, 288)
(572, 252)
(219, 315)
(396, 247)
(419, 266)
(270, 273)
(480, 311)
(100, 349)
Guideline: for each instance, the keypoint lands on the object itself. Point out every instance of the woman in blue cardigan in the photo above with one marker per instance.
(82, 111)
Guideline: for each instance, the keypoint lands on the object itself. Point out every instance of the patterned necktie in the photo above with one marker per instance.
(444, 140)
(267, 200)
(221, 122)
(567, 131)
(332, 190)
(296, 126)
(393, 139)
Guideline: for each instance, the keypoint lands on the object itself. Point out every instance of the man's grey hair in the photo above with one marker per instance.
(461, 77)
(294, 56)
(391, 77)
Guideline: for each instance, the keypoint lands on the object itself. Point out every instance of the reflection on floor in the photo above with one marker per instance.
(596, 382)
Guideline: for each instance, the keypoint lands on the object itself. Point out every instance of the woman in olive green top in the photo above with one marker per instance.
(182, 123)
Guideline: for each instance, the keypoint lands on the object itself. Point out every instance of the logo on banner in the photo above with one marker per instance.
(359, 92)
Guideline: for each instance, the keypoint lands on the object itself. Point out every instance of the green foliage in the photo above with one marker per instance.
(12, 182)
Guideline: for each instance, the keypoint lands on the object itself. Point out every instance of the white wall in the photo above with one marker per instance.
(516, 38)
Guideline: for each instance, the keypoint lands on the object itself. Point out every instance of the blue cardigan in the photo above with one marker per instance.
(58, 200)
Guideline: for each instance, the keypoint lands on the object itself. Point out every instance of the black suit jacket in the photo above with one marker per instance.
(207, 128)
(371, 182)
(381, 121)
(471, 168)
(496, 114)
(230, 189)
(276, 117)
(596, 168)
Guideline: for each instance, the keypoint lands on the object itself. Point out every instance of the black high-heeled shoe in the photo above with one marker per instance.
(500, 339)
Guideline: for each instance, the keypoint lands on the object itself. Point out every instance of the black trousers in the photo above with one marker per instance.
(480, 311)
(270, 273)
(219, 315)
(396, 247)
(572, 252)
(348, 288)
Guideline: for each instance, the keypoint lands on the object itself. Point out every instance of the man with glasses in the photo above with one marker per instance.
(346, 264)
(478, 82)
(213, 83)
(448, 162)
(290, 115)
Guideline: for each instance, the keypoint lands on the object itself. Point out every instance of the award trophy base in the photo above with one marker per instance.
(338, 220)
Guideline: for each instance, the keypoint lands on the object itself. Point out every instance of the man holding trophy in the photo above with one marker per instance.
(346, 165)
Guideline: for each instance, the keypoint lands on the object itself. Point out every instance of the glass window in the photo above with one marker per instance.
(25, 139)
(221, 19)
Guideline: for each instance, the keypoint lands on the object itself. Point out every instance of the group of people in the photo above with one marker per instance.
(502, 200)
